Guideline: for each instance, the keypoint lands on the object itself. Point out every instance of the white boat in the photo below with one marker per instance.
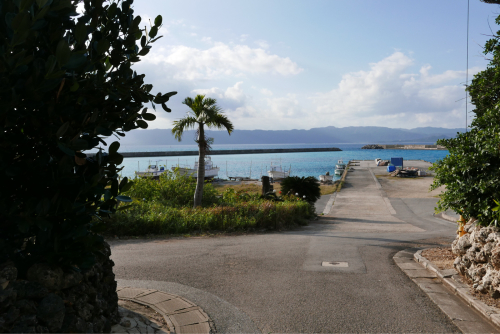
(325, 178)
(340, 164)
(277, 173)
(340, 167)
(152, 170)
(210, 170)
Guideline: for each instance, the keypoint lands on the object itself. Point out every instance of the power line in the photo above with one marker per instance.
(467, 68)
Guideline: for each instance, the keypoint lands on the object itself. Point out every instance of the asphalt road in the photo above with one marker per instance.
(275, 282)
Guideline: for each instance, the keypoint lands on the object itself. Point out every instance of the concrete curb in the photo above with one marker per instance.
(448, 294)
(446, 217)
(450, 278)
(329, 204)
(181, 315)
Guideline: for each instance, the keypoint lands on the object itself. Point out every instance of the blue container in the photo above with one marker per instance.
(391, 169)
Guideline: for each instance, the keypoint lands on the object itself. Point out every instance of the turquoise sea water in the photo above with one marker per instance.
(255, 165)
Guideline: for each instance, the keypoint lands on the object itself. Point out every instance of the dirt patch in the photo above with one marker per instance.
(417, 187)
(145, 311)
(443, 258)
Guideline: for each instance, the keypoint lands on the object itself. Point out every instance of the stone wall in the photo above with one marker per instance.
(50, 300)
(478, 258)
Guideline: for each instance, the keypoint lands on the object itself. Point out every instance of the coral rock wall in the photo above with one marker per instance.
(51, 301)
(478, 258)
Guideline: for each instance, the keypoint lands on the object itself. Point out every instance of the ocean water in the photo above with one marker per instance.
(256, 165)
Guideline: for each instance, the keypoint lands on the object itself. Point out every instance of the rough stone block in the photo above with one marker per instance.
(49, 277)
(51, 310)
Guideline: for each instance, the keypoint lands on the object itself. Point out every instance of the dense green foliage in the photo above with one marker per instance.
(165, 207)
(202, 112)
(172, 190)
(66, 84)
(471, 171)
(303, 186)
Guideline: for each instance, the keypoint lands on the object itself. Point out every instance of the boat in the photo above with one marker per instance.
(326, 178)
(211, 171)
(340, 167)
(277, 173)
(152, 170)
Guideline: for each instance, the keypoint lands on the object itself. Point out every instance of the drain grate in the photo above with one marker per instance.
(338, 264)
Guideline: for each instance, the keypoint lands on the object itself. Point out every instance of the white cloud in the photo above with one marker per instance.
(231, 98)
(187, 63)
(246, 112)
(207, 40)
(262, 44)
(387, 95)
(286, 106)
(266, 92)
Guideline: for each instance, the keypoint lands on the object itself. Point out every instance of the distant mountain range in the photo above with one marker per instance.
(329, 134)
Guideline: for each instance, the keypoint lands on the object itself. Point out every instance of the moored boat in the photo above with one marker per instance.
(326, 178)
(277, 173)
(211, 171)
(152, 170)
(340, 167)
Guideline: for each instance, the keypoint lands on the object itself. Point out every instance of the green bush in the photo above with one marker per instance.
(303, 186)
(171, 189)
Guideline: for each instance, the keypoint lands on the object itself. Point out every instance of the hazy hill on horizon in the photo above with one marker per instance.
(329, 134)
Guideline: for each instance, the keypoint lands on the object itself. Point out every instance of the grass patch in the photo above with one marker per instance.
(326, 189)
(164, 207)
(249, 188)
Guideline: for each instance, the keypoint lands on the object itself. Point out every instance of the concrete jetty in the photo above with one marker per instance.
(226, 152)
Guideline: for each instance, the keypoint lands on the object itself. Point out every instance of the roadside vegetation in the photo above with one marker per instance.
(326, 189)
(165, 206)
(470, 171)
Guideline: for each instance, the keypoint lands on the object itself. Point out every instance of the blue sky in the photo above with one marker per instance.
(305, 64)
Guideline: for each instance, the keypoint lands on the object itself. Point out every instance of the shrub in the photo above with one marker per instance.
(171, 189)
(303, 186)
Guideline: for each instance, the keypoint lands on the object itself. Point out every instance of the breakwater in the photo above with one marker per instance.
(226, 152)
(413, 147)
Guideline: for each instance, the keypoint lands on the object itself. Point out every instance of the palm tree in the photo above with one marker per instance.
(204, 111)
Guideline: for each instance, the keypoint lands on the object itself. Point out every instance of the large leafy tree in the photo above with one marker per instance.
(66, 87)
(203, 111)
(471, 171)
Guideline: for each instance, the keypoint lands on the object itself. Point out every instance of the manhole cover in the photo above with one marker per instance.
(335, 264)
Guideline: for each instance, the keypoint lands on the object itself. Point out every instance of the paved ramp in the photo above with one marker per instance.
(361, 206)
(278, 282)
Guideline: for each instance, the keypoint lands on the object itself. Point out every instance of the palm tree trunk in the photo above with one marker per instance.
(198, 194)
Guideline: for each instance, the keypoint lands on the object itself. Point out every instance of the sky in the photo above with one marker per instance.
(279, 65)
